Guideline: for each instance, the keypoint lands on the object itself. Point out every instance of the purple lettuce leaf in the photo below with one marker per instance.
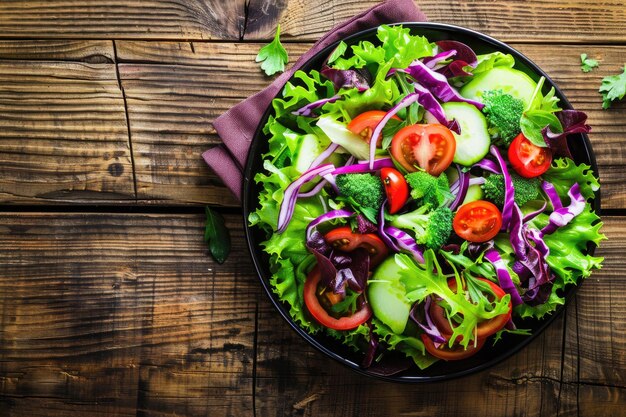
(359, 79)
(573, 121)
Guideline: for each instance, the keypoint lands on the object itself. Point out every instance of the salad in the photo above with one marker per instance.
(420, 199)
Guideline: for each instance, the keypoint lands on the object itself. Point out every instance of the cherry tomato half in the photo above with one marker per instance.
(528, 159)
(320, 314)
(477, 221)
(430, 147)
(365, 123)
(396, 188)
(454, 353)
(485, 328)
(344, 239)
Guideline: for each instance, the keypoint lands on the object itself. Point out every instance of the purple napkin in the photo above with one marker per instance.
(237, 126)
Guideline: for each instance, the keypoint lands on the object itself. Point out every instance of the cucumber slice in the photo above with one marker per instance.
(473, 143)
(387, 296)
(474, 193)
(308, 149)
(511, 81)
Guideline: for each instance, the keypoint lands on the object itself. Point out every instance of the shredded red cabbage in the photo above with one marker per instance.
(528, 217)
(463, 185)
(405, 102)
(314, 191)
(331, 215)
(564, 215)
(432, 106)
(330, 149)
(437, 84)
(381, 229)
(307, 110)
(504, 278)
(291, 194)
(364, 166)
(488, 165)
(552, 194)
(509, 191)
(430, 328)
(372, 347)
(465, 57)
(433, 62)
(405, 242)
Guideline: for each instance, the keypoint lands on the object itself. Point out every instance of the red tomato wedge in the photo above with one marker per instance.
(396, 188)
(430, 147)
(454, 353)
(365, 123)
(320, 314)
(483, 329)
(528, 159)
(344, 239)
(478, 221)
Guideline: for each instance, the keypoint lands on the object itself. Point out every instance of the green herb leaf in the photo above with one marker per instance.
(273, 56)
(339, 51)
(391, 128)
(587, 64)
(613, 88)
(348, 304)
(217, 236)
(533, 121)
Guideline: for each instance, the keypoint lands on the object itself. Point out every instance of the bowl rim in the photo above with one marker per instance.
(249, 205)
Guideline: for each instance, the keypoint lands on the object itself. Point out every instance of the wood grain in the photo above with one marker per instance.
(119, 19)
(115, 314)
(105, 314)
(171, 106)
(576, 21)
(63, 132)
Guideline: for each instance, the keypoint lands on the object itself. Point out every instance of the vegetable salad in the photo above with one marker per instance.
(420, 199)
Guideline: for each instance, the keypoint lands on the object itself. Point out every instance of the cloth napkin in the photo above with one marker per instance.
(237, 126)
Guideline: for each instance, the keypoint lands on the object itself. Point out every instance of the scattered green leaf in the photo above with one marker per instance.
(338, 52)
(216, 235)
(273, 56)
(613, 88)
(587, 64)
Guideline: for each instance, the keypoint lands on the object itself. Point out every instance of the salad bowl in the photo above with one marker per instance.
(490, 354)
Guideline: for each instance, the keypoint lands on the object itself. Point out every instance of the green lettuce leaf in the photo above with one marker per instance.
(411, 346)
(564, 173)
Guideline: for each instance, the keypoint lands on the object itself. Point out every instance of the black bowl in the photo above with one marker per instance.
(489, 355)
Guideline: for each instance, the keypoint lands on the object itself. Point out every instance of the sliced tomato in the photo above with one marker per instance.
(483, 329)
(365, 123)
(396, 188)
(430, 147)
(319, 313)
(455, 353)
(528, 159)
(477, 221)
(344, 239)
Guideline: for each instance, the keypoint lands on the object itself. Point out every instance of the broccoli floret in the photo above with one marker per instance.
(526, 189)
(365, 189)
(431, 228)
(427, 189)
(503, 112)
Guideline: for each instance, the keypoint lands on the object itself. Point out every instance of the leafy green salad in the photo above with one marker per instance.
(419, 199)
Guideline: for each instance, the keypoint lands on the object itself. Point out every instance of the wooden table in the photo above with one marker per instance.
(109, 302)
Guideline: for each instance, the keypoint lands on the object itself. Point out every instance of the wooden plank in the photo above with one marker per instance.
(63, 131)
(119, 314)
(295, 379)
(596, 346)
(171, 106)
(119, 19)
(93, 52)
(518, 20)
